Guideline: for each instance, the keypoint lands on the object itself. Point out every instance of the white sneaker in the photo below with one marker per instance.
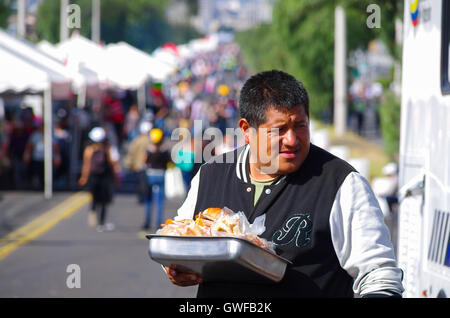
(109, 227)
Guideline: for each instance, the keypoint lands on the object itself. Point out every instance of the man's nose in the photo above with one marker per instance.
(290, 138)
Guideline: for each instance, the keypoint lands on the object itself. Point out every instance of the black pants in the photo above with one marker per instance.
(100, 209)
(101, 188)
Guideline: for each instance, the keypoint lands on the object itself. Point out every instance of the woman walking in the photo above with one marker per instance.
(100, 169)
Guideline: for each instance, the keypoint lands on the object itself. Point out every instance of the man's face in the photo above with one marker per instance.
(283, 140)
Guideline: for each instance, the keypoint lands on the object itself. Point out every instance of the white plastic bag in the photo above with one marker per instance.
(173, 184)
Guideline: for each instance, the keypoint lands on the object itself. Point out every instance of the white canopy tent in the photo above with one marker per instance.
(91, 77)
(19, 77)
(167, 56)
(136, 67)
(117, 65)
(205, 44)
(64, 80)
(137, 59)
(79, 50)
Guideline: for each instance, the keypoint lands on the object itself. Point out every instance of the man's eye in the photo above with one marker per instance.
(275, 131)
(280, 130)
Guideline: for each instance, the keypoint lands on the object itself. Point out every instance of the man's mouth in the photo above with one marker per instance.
(289, 154)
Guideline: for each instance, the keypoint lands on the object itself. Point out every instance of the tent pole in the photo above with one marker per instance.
(21, 16)
(63, 30)
(81, 98)
(141, 98)
(48, 144)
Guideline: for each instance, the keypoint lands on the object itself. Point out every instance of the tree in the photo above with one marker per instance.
(5, 11)
(390, 124)
(300, 40)
(47, 26)
(141, 23)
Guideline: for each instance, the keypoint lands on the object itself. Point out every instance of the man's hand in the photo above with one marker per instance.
(82, 181)
(182, 279)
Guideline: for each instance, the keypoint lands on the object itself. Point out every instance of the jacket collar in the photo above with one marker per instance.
(243, 166)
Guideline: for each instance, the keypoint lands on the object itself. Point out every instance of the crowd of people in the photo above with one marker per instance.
(203, 93)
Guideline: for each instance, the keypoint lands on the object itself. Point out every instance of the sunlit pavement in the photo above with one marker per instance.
(111, 264)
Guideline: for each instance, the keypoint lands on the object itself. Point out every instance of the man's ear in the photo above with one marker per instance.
(245, 129)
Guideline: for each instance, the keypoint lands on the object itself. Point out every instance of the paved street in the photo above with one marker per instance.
(112, 264)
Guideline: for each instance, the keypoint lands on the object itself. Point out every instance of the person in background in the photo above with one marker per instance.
(386, 188)
(136, 156)
(160, 108)
(131, 123)
(14, 146)
(156, 161)
(186, 159)
(34, 156)
(63, 138)
(100, 168)
(114, 113)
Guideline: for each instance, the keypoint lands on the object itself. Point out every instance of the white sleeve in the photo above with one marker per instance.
(187, 209)
(114, 153)
(361, 239)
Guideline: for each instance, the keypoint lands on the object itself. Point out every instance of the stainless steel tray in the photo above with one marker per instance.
(218, 259)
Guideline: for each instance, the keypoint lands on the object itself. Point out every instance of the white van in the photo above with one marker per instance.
(424, 163)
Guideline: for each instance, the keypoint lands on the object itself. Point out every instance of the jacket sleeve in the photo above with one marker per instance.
(187, 209)
(362, 241)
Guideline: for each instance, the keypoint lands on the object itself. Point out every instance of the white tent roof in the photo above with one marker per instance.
(141, 63)
(60, 76)
(50, 49)
(128, 70)
(19, 76)
(205, 44)
(112, 68)
(166, 56)
(77, 50)
(91, 77)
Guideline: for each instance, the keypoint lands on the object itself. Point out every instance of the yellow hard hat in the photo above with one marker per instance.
(156, 135)
(223, 90)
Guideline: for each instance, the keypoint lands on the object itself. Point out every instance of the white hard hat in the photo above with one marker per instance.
(145, 127)
(97, 134)
(390, 168)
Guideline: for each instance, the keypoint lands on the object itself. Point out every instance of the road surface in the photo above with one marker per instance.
(37, 262)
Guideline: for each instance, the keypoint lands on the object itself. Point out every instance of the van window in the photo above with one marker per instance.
(445, 55)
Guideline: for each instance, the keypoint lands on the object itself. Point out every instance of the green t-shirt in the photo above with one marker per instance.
(259, 187)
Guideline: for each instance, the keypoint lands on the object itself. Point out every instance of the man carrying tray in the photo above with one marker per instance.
(320, 213)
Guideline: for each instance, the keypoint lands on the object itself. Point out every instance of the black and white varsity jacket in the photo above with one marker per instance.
(324, 218)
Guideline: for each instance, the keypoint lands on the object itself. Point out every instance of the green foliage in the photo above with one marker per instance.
(142, 23)
(5, 11)
(300, 40)
(390, 123)
(47, 25)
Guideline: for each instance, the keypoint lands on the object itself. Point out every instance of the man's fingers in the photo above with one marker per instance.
(183, 279)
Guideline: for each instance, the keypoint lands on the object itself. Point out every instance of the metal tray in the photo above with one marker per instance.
(218, 259)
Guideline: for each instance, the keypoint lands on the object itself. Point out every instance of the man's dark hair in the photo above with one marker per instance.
(270, 89)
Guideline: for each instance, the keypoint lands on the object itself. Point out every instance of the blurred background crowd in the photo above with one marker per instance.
(187, 63)
(205, 87)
